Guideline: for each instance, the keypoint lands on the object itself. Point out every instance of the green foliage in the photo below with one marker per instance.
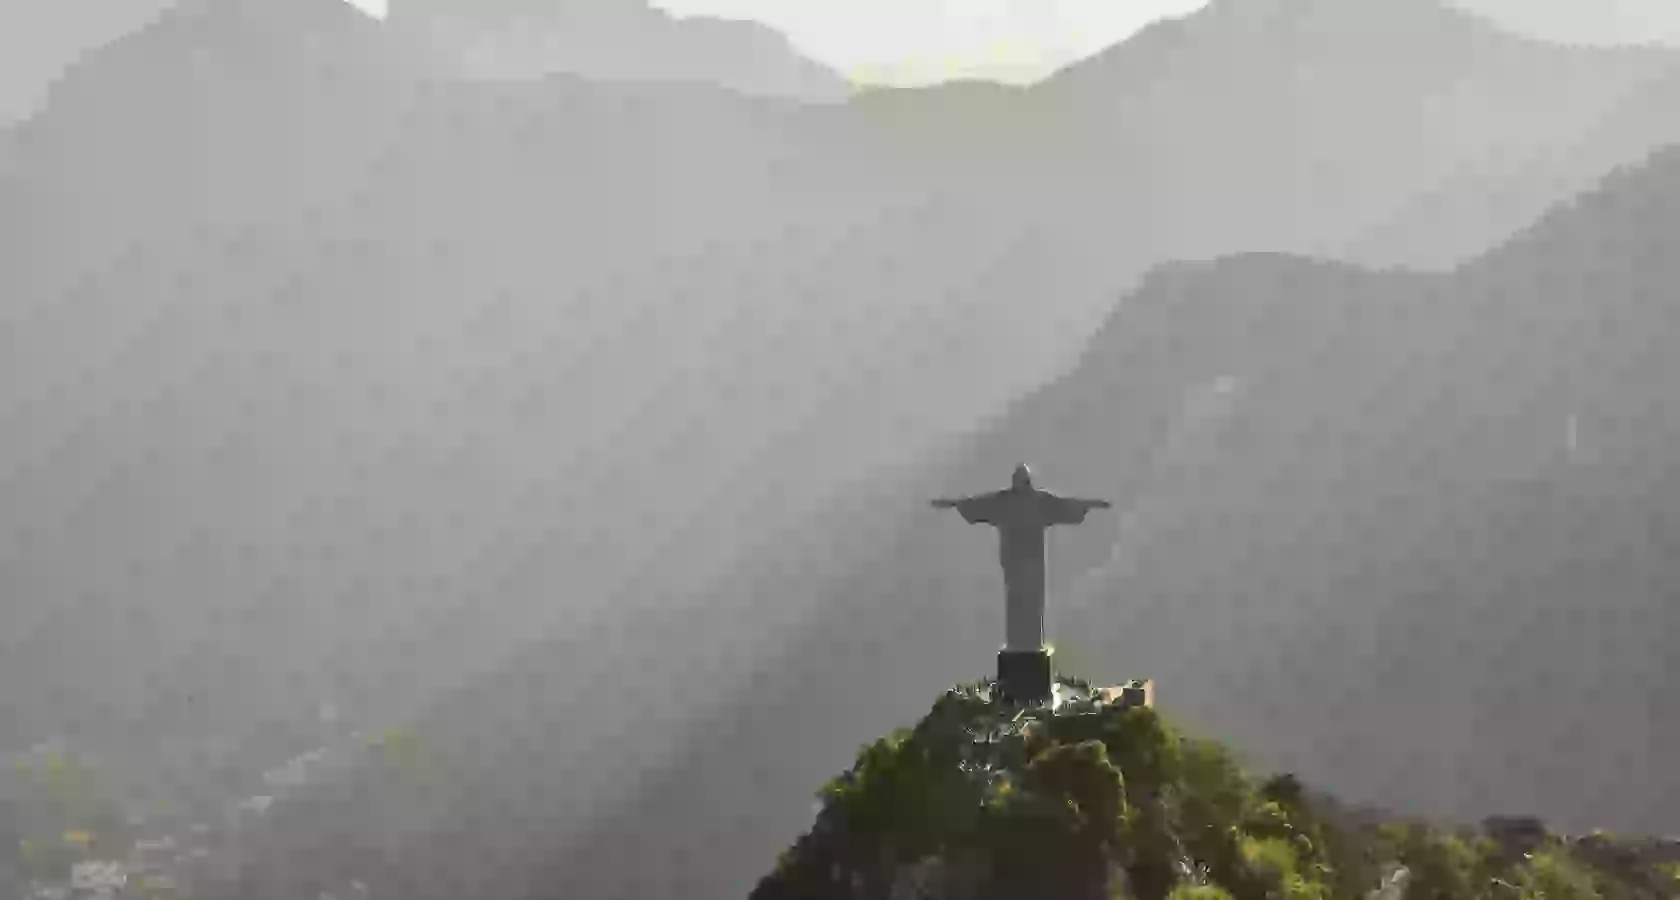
(909, 792)
(1346, 859)
(989, 801)
(1215, 791)
(1551, 875)
(1278, 867)
(1189, 891)
(68, 811)
(1061, 830)
(1443, 866)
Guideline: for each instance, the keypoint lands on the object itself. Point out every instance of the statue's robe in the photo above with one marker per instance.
(1021, 516)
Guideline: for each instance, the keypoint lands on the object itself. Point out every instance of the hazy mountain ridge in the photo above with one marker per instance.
(418, 385)
(220, 114)
(1473, 210)
(622, 42)
(1343, 539)
(1425, 118)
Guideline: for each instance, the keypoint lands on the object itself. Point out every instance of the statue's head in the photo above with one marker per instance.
(1023, 478)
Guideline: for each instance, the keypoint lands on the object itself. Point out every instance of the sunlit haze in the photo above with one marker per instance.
(911, 42)
(376, 8)
(890, 41)
(520, 449)
(893, 42)
(871, 41)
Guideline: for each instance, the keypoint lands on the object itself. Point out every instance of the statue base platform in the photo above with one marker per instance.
(1139, 692)
(1023, 676)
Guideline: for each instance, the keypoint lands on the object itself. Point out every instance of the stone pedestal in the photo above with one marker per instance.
(1138, 692)
(1023, 676)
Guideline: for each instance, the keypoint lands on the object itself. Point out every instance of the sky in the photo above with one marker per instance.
(905, 41)
(929, 40)
(920, 41)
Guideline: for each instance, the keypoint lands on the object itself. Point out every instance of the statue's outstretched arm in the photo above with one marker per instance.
(1078, 502)
(1072, 510)
(976, 510)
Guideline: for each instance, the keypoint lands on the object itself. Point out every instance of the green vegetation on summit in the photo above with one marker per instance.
(1097, 799)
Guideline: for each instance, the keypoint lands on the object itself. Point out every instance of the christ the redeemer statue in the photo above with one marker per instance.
(1021, 513)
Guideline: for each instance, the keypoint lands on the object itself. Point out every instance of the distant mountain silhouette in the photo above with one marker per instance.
(327, 372)
(1380, 562)
(1379, 565)
(1581, 24)
(1474, 210)
(621, 41)
(1347, 106)
(41, 37)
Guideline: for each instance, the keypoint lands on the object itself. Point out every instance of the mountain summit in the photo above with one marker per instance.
(620, 41)
(1422, 492)
(1100, 798)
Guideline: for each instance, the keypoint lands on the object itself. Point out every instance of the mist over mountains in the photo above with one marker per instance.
(1470, 210)
(1353, 540)
(330, 371)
